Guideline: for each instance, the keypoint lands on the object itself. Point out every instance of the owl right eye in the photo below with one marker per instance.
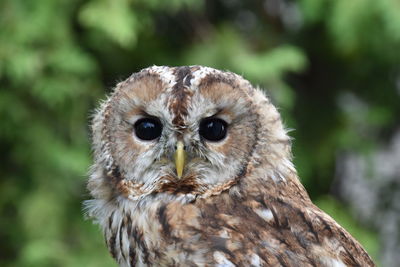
(148, 129)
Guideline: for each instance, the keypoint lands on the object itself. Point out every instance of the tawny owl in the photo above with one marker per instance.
(192, 167)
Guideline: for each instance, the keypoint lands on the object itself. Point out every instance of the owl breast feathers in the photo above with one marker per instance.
(192, 167)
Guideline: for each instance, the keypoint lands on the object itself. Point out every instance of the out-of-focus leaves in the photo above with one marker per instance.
(113, 18)
(313, 11)
(171, 6)
(227, 49)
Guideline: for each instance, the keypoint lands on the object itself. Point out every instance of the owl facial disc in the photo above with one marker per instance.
(179, 131)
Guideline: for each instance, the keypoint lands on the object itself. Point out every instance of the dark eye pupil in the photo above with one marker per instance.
(148, 129)
(213, 129)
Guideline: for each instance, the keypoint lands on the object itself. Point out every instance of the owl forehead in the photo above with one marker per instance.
(187, 92)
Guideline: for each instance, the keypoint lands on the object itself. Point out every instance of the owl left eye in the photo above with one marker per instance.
(213, 129)
(148, 129)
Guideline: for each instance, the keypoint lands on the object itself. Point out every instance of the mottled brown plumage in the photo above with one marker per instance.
(239, 201)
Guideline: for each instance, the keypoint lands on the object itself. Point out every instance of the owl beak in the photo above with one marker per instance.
(180, 158)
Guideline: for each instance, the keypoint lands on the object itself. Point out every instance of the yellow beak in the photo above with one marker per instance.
(180, 158)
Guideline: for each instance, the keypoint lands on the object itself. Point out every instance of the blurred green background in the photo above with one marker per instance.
(332, 67)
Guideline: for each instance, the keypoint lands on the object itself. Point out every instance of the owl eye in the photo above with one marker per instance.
(213, 129)
(148, 129)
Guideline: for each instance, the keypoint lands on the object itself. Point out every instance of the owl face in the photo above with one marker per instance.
(184, 130)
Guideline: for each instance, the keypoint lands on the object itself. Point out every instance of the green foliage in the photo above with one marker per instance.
(333, 74)
(114, 19)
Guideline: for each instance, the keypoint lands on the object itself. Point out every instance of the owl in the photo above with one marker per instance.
(193, 167)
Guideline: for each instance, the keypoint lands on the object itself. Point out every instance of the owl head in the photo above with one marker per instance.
(185, 132)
